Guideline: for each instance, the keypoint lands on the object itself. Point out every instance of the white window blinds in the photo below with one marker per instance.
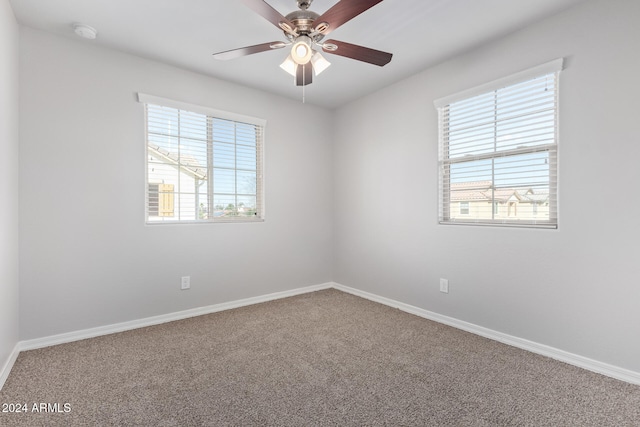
(498, 156)
(202, 164)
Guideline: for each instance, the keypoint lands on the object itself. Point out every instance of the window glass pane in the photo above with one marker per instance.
(247, 206)
(246, 182)
(224, 206)
(224, 155)
(246, 134)
(473, 170)
(186, 206)
(525, 170)
(246, 157)
(223, 131)
(162, 120)
(224, 181)
(203, 204)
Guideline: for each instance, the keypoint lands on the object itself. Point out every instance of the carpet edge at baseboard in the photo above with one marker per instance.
(534, 347)
(163, 318)
(6, 368)
(554, 353)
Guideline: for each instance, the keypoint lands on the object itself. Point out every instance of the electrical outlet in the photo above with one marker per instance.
(186, 282)
(444, 286)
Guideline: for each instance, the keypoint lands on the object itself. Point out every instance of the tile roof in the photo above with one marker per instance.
(189, 164)
(483, 190)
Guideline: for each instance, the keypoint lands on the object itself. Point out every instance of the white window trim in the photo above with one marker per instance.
(144, 98)
(554, 66)
(547, 68)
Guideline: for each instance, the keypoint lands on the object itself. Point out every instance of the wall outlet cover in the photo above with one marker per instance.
(444, 286)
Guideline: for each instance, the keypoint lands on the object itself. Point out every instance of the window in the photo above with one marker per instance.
(498, 146)
(464, 208)
(202, 164)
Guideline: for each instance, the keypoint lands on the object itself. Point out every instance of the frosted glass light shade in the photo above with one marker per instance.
(319, 63)
(301, 51)
(289, 66)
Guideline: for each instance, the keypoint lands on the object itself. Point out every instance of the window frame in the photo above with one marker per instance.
(446, 163)
(211, 115)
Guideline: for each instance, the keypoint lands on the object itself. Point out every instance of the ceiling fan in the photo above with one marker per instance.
(304, 31)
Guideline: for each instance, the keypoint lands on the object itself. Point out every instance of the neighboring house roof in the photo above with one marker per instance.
(469, 191)
(538, 198)
(484, 191)
(187, 163)
(503, 194)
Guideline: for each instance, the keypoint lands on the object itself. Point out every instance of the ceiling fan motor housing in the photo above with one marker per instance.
(303, 21)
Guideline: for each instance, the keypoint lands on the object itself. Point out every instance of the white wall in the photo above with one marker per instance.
(8, 182)
(86, 257)
(576, 288)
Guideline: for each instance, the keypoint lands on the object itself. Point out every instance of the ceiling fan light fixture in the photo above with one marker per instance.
(301, 51)
(289, 66)
(319, 63)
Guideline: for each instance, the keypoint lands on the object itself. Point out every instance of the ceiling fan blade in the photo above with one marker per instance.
(304, 74)
(341, 12)
(263, 9)
(360, 53)
(248, 50)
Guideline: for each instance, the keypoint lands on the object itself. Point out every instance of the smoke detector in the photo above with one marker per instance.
(85, 31)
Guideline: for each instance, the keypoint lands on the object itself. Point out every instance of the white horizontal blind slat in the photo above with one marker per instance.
(498, 155)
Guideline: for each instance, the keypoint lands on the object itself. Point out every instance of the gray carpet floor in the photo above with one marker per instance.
(326, 358)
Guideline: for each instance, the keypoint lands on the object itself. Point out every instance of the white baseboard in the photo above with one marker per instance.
(6, 369)
(33, 344)
(554, 353)
(544, 350)
(164, 318)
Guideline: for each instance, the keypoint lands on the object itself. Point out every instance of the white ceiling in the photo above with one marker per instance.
(185, 33)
